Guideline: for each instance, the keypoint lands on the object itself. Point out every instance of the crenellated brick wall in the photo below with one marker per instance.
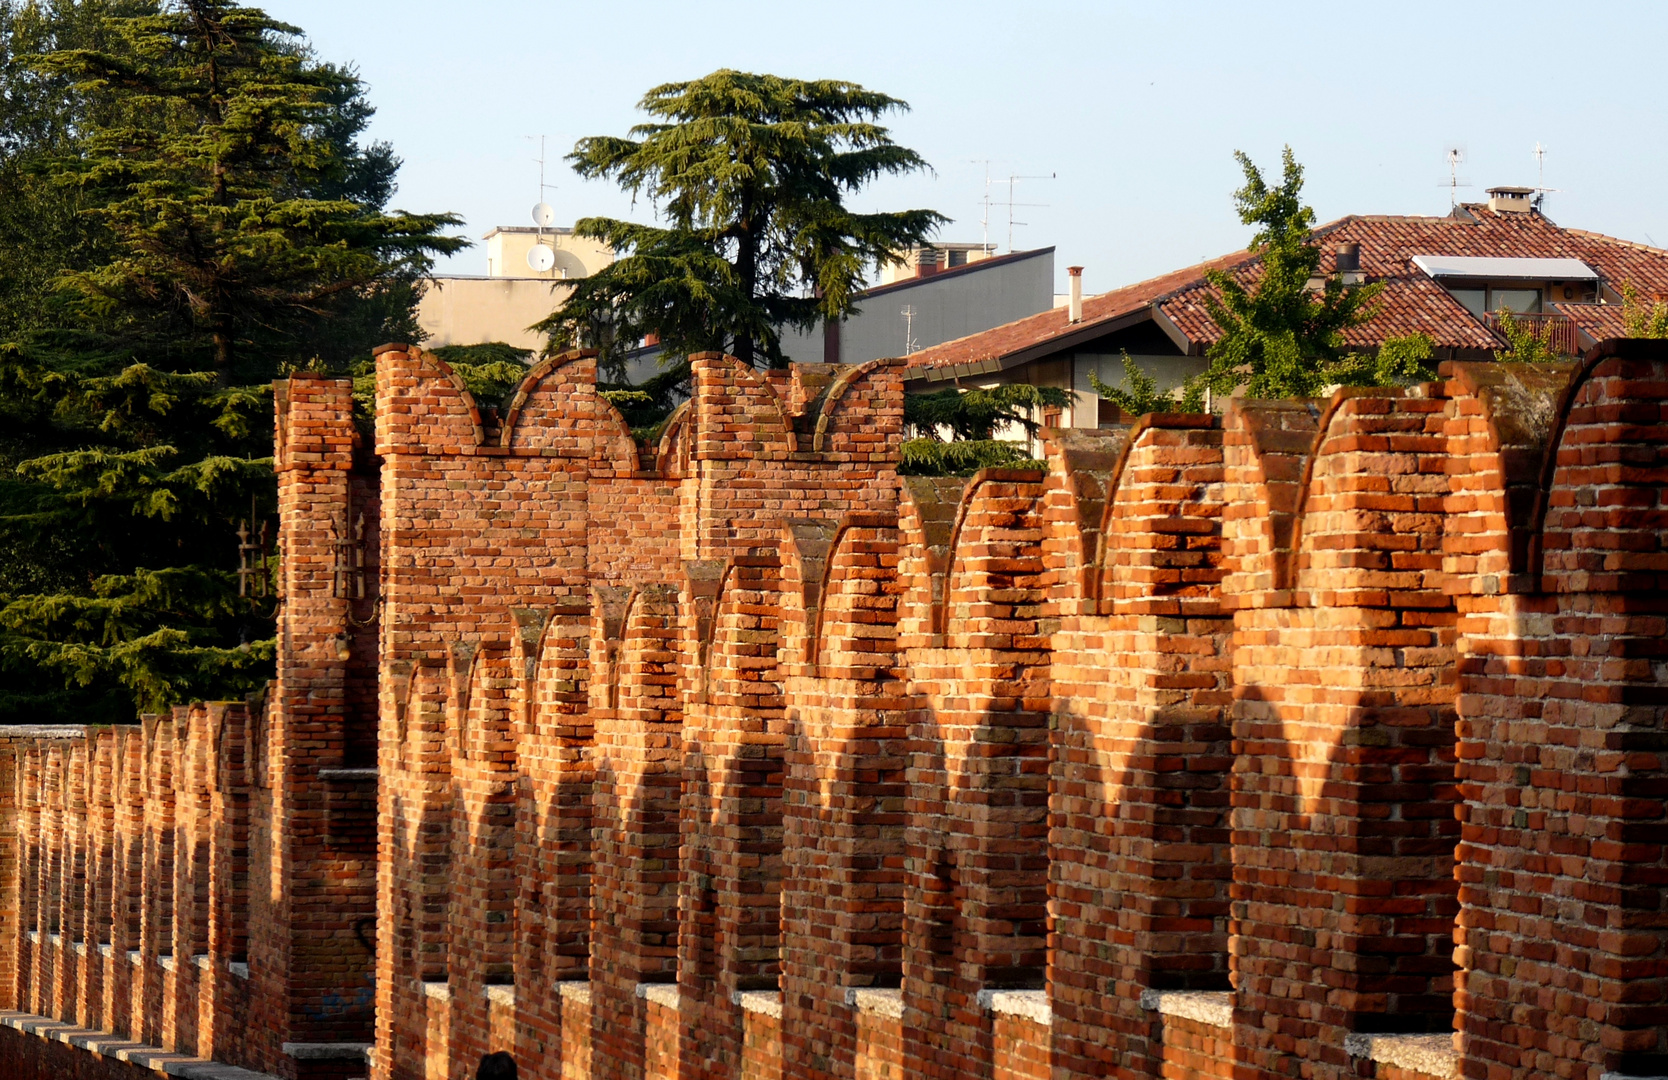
(1317, 739)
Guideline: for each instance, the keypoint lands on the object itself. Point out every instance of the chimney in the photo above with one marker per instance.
(1510, 200)
(1347, 264)
(926, 262)
(1074, 307)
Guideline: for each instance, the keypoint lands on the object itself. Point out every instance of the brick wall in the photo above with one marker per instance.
(1564, 937)
(738, 756)
(1139, 809)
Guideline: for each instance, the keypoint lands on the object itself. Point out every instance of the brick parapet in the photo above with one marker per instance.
(976, 852)
(312, 864)
(1344, 726)
(1562, 944)
(747, 715)
(109, 929)
(1140, 857)
(734, 736)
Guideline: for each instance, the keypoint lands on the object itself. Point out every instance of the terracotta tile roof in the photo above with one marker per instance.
(1045, 326)
(1411, 302)
(1595, 321)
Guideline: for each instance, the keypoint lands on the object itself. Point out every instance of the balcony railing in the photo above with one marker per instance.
(1558, 331)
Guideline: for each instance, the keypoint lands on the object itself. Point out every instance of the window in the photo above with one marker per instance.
(1473, 300)
(1521, 301)
(1486, 299)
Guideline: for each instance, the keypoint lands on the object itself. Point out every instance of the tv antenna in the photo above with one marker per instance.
(908, 313)
(541, 256)
(1540, 169)
(1456, 157)
(984, 215)
(1013, 180)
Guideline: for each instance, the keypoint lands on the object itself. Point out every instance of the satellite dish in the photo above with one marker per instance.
(540, 257)
(543, 216)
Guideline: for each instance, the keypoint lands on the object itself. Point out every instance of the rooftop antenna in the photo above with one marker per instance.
(1456, 157)
(984, 215)
(1014, 179)
(1540, 181)
(541, 257)
(908, 313)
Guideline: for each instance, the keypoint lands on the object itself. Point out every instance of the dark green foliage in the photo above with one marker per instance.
(1280, 338)
(213, 167)
(492, 372)
(646, 407)
(750, 174)
(186, 212)
(962, 457)
(971, 418)
(976, 414)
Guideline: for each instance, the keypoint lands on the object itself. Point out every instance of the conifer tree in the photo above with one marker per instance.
(954, 431)
(218, 222)
(751, 174)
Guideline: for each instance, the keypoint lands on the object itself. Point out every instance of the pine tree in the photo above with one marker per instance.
(954, 431)
(216, 221)
(1280, 337)
(751, 174)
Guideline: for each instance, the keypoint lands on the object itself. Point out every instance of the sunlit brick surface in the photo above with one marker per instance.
(1319, 739)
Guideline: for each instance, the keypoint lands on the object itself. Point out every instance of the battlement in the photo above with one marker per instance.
(1319, 737)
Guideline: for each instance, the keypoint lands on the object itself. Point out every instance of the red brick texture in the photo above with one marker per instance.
(1140, 795)
(740, 757)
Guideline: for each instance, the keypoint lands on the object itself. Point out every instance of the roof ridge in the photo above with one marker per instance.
(1634, 244)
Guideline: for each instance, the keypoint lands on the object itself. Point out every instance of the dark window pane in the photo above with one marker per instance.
(1474, 300)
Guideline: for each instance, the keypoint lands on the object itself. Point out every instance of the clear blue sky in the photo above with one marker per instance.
(1136, 107)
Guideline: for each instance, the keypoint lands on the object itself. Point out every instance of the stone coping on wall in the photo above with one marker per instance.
(338, 773)
(663, 994)
(768, 1002)
(1432, 1055)
(880, 1001)
(440, 991)
(576, 990)
(501, 994)
(1213, 1007)
(104, 1044)
(44, 731)
(343, 1051)
(1031, 1004)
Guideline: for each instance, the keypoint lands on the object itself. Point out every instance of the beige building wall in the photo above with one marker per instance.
(468, 310)
(576, 256)
(473, 310)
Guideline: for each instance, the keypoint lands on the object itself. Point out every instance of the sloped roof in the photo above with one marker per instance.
(1050, 326)
(1410, 303)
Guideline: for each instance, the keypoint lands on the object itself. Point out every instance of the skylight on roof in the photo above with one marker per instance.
(1464, 266)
